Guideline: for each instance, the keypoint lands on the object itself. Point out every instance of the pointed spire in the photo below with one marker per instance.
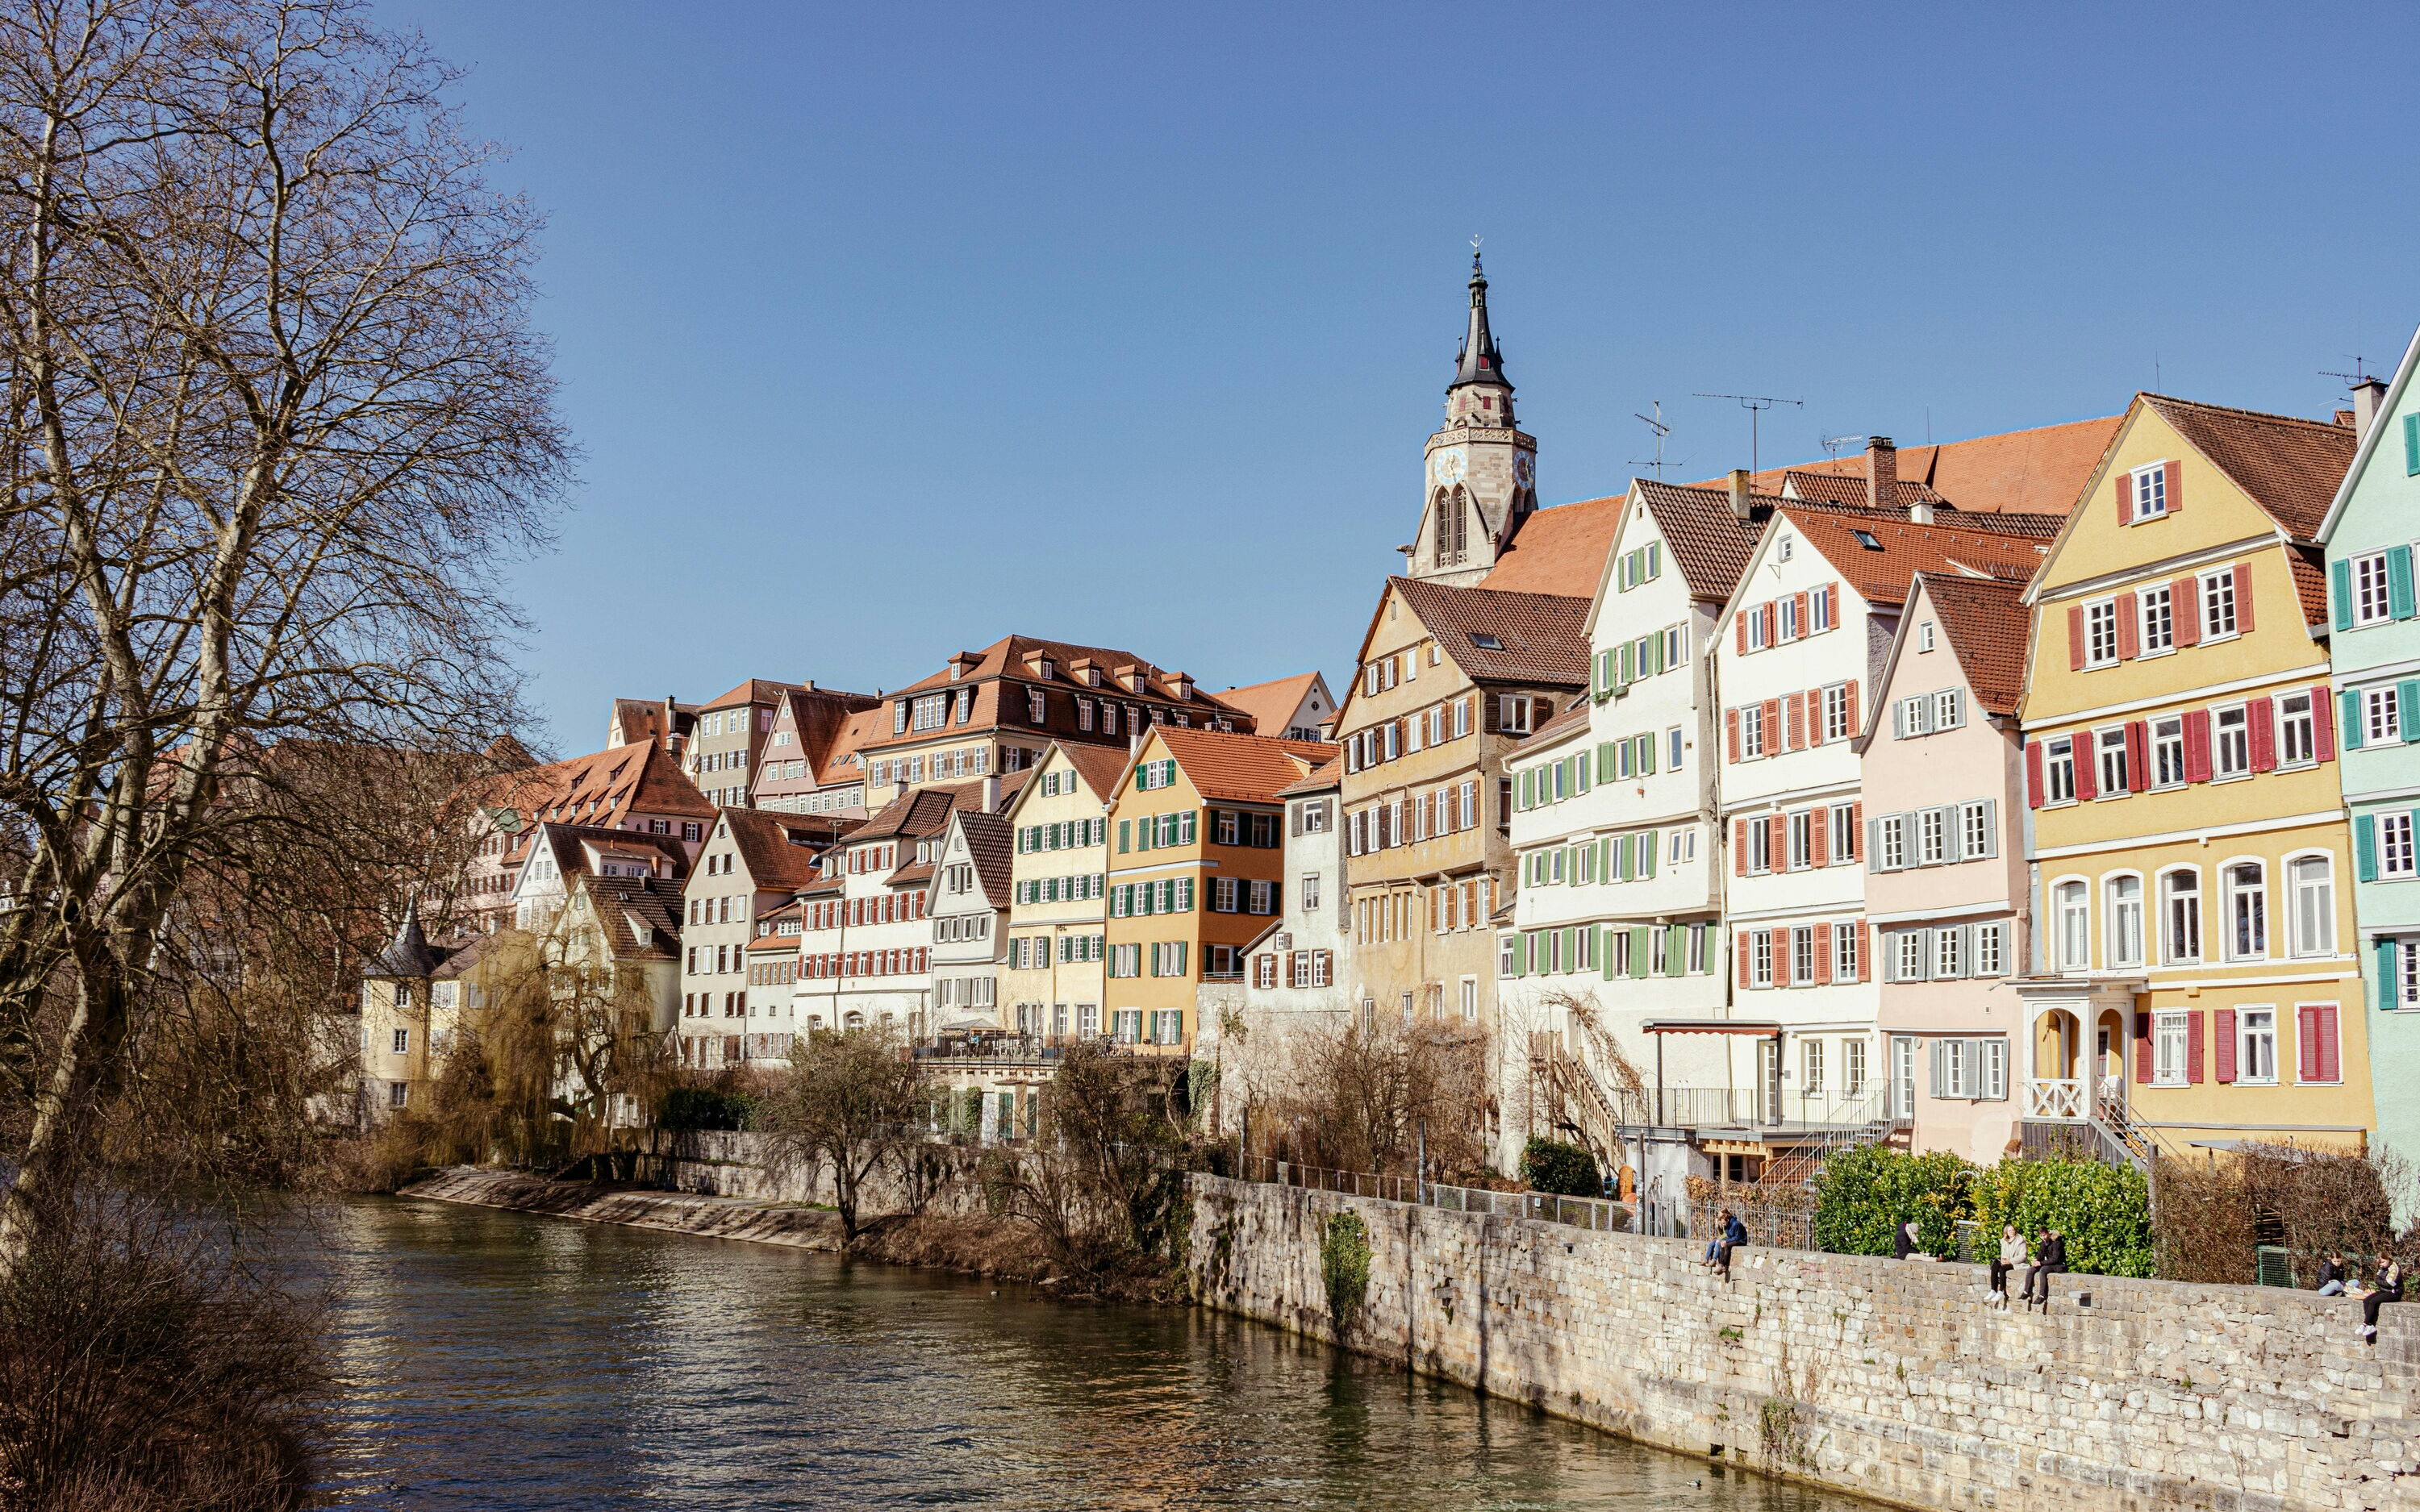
(408, 955)
(1478, 362)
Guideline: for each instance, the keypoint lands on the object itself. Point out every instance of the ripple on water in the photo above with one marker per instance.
(502, 1361)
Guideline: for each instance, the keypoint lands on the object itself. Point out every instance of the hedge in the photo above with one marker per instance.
(2104, 1211)
(1551, 1165)
(1863, 1195)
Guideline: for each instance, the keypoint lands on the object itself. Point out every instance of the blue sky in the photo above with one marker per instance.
(887, 331)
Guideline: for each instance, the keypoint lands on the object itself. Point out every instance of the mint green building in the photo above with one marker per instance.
(2374, 654)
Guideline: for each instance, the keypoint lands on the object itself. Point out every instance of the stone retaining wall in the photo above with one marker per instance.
(1884, 1379)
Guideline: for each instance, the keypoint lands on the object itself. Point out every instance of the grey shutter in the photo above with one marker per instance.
(1990, 827)
(1923, 954)
(1898, 719)
(1889, 939)
(1874, 844)
(1950, 838)
(1966, 933)
(1939, 1058)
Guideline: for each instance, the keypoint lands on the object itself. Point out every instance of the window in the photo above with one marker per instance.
(1812, 1055)
(1990, 950)
(1933, 836)
(1836, 714)
(2180, 918)
(1868, 540)
(1469, 999)
(2124, 946)
(2112, 772)
(1680, 845)
(2314, 904)
(2296, 737)
(1802, 840)
(2100, 633)
(1819, 610)
(397, 1094)
(2230, 742)
(1974, 836)
(1672, 749)
(2167, 752)
(2372, 601)
(1891, 854)
(2247, 912)
(1843, 847)
(2395, 852)
(1845, 966)
(1751, 721)
(1676, 645)
(2058, 770)
(1948, 953)
(1754, 620)
(2159, 629)
(2169, 1047)
(1908, 952)
(2380, 724)
(2256, 1045)
(1913, 717)
(402, 1041)
(1760, 958)
(1759, 849)
(2151, 492)
(2407, 973)
(1924, 636)
(2073, 910)
(1948, 709)
(2218, 604)
(1788, 618)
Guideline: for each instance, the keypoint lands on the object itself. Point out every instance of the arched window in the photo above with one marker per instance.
(1452, 512)
(2313, 880)
(2073, 910)
(2125, 922)
(2180, 918)
(854, 1021)
(2247, 912)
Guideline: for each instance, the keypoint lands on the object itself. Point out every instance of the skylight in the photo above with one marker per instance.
(1866, 539)
(1485, 642)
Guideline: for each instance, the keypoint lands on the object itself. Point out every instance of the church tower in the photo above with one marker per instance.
(1483, 470)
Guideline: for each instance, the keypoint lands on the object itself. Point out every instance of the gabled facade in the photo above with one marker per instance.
(752, 865)
(1942, 769)
(1196, 873)
(2194, 980)
(1058, 911)
(637, 787)
(2374, 657)
(814, 731)
(560, 855)
(729, 737)
(971, 889)
(1288, 708)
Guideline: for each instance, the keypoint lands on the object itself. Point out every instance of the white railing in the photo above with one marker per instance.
(2053, 1097)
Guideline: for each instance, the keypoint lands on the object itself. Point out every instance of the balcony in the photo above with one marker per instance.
(2054, 1097)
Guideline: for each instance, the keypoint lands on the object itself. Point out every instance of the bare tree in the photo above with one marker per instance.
(849, 1099)
(274, 415)
(1365, 1091)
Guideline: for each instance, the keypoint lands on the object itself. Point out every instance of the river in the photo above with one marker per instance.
(502, 1361)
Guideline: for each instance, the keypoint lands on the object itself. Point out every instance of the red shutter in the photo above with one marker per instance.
(2307, 1043)
(2142, 1049)
(2087, 783)
(2138, 752)
(1857, 828)
(1741, 937)
(2330, 1069)
(2260, 716)
(2243, 597)
(1805, 625)
(2193, 1045)
(1823, 953)
(1739, 847)
(1865, 953)
(2197, 744)
(2227, 1045)
(2175, 486)
(1851, 692)
(2033, 773)
(2184, 607)
(1772, 621)
(2125, 491)
(2075, 638)
(1776, 841)
(1797, 703)
(1739, 629)
(1730, 731)
(2323, 724)
(1819, 835)
(1772, 726)
(2129, 642)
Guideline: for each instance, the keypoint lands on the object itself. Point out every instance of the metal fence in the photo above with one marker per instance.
(1547, 1207)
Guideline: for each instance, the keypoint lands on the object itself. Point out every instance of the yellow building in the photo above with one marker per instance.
(2194, 980)
(1196, 865)
(1059, 894)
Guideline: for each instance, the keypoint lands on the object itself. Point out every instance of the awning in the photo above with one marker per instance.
(1761, 1028)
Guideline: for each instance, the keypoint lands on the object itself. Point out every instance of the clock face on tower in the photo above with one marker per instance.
(1449, 467)
(1525, 469)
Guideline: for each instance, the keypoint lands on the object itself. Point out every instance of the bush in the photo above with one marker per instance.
(1863, 1195)
(1551, 1165)
(687, 1108)
(2104, 1210)
(1344, 1266)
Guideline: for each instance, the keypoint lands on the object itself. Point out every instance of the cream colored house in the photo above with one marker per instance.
(1050, 984)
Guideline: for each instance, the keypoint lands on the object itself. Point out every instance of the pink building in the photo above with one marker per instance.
(1945, 890)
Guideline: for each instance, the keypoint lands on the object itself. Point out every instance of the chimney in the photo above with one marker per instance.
(1881, 472)
(1739, 492)
(2367, 397)
(991, 794)
(672, 727)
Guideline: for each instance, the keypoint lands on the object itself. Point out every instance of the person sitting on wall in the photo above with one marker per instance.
(2332, 1275)
(1904, 1243)
(2389, 1289)
(2012, 1253)
(1734, 1235)
(2050, 1258)
(1722, 1227)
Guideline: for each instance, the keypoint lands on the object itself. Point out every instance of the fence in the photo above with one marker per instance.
(1579, 1212)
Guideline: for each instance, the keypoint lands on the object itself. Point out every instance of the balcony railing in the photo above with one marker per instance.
(2053, 1097)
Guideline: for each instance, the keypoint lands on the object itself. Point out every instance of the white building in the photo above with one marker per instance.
(971, 893)
(751, 864)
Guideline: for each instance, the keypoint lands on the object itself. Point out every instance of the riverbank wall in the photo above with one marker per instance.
(1888, 1379)
(688, 1212)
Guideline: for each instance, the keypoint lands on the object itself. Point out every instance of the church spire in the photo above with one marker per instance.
(1478, 362)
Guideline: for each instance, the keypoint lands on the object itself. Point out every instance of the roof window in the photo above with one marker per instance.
(1485, 642)
(1866, 539)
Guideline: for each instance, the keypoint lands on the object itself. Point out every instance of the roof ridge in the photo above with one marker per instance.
(2327, 425)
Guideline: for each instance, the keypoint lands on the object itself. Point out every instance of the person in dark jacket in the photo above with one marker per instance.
(2389, 1289)
(1722, 1230)
(1734, 1235)
(2332, 1275)
(2050, 1258)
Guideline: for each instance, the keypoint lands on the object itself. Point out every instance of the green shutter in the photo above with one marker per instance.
(1529, 787)
(2398, 581)
(1580, 768)
(1125, 834)
(1638, 951)
(1655, 646)
(1626, 854)
(2340, 589)
(1645, 755)
(2407, 712)
(1604, 762)
(2412, 445)
(2365, 845)
(1676, 951)
(1647, 848)
(2386, 984)
(2349, 731)
(1629, 668)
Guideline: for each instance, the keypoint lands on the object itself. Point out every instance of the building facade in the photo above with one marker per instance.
(752, 866)
(970, 891)
(1058, 911)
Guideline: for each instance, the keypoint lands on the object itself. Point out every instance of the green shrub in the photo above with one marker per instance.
(1551, 1165)
(686, 1108)
(1863, 1195)
(1344, 1266)
(2104, 1210)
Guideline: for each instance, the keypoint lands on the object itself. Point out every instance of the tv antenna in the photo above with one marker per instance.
(1661, 430)
(1756, 405)
(2359, 376)
(1832, 444)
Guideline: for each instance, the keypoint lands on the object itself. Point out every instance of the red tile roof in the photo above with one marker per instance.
(1985, 623)
(1558, 550)
(781, 848)
(755, 690)
(2309, 566)
(1273, 703)
(1900, 549)
(2289, 467)
(992, 846)
(1242, 768)
(2040, 471)
(1538, 637)
(1710, 544)
(1327, 777)
(1100, 767)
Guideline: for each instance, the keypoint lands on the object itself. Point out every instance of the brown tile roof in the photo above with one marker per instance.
(1538, 637)
(855, 733)
(1902, 549)
(2309, 565)
(1575, 716)
(914, 815)
(601, 788)
(1842, 489)
(1985, 623)
(1710, 545)
(1004, 658)
(781, 848)
(1273, 703)
(644, 720)
(570, 843)
(628, 903)
(1327, 777)
(1558, 550)
(992, 847)
(754, 690)
(2040, 471)
(1242, 768)
(1100, 767)
(2289, 466)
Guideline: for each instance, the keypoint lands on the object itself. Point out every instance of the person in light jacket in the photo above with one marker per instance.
(2012, 1253)
(2389, 1289)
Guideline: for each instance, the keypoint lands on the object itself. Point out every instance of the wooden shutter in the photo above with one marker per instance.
(2412, 445)
(2340, 593)
(2033, 773)
(1849, 697)
(2138, 749)
(2175, 486)
(1772, 619)
(1776, 842)
(2306, 1043)
(1732, 731)
(1819, 837)
(2323, 724)
(1738, 631)
(2330, 1069)
(1823, 954)
(2125, 498)
(2184, 609)
(1739, 847)
(2193, 1045)
(1798, 714)
(2197, 745)
(2244, 598)
(2130, 642)
(2260, 715)
(2225, 1045)
(1805, 625)
(2364, 846)
(1739, 938)
(2398, 582)
(2075, 638)
(2142, 1049)
(2082, 743)
(1772, 726)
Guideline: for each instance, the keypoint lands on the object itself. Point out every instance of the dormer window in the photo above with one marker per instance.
(1785, 548)
(1866, 539)
(1485, 642)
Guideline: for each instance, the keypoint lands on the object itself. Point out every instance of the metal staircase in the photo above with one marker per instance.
(1868, 1122)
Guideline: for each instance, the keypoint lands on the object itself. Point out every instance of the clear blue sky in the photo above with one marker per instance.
(888, 330)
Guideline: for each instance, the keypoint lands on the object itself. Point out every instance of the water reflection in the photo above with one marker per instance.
(500, 1360)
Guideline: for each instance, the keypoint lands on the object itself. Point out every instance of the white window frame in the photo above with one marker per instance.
(2167, 754)
(2100, 633)
(2238, 895)
(2170, 1053)
(2230, 745)
(2397, 856)
(2298, 943)
(2256, 1044)
(2381, 721)
(2151, 492)
(2373, 602)
(2110, 760)
(2156, 609)
(2169, 953)
(2218, 604)
(2123, 920)
(2071, 921)
(2297, 732)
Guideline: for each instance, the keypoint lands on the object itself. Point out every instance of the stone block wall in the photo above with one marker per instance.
(1884, 1379)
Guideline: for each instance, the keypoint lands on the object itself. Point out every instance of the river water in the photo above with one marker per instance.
(502, 1361)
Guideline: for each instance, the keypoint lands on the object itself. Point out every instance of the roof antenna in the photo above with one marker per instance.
(1661, 430)
(1832, 445)
(2359, 376)
(1754, 404)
